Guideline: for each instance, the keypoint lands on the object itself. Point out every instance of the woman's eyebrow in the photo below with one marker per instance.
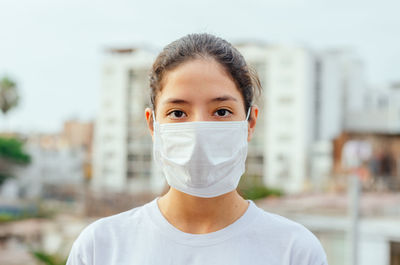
(223, 98)
(175, 101)
(182, 101)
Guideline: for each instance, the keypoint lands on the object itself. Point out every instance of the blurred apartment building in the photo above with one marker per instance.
(122, 144)
(60, 162)
(379, 113)
(376, 121)
(305, 99)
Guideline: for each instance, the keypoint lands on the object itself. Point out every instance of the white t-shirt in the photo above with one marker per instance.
(143, 236)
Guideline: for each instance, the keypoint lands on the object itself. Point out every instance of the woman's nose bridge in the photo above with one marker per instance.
(200, 114)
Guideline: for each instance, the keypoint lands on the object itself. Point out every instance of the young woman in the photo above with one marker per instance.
(201, 119)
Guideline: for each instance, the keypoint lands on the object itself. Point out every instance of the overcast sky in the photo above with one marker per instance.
(53, 49)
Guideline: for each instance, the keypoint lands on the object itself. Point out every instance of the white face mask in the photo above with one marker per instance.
(202, 158)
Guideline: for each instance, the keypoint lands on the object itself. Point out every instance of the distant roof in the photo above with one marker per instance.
(121, 50)
(130, 49)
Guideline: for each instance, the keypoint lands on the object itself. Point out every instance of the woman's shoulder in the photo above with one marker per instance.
(100, 233)
(276, 222)
(113, 225)
(119, 221)
(104, 231)
(287, 233)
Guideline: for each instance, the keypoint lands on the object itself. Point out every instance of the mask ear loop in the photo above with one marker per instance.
(154, 116)
(248, 114)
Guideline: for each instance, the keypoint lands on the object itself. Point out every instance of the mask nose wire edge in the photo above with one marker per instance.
(248, 114)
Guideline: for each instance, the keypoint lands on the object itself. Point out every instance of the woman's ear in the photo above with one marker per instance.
(149, 119)
(252, 122)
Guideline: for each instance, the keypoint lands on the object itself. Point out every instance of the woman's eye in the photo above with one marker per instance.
(223, 112)
(176, 114)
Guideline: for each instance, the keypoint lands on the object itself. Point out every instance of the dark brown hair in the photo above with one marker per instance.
(205, 45)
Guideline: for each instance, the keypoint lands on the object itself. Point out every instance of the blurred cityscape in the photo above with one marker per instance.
(326, 153)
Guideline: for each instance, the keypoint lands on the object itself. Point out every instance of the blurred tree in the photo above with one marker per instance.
(48, 259)
(8, 94)
(11, 152)
(11, 155)
(251, 187)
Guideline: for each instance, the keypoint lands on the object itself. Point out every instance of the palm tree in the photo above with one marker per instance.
(8, 94)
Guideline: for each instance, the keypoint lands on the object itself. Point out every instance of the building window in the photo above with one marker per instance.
(107, 138)
(131, 74)
(107, 104)
(367, 101)
(284, 138)
(133, 157)
(382, 102)
(286, 81)
(280, 157)
(283, 166)
(110, 121)
(106, 171)
(109, 155)
(286, 61)
(130, 174)
(286, 100)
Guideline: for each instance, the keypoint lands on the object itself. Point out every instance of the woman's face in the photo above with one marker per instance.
(199, 90)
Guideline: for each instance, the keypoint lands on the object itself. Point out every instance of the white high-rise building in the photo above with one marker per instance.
(122, 144)
(285, 127)
(289, 101)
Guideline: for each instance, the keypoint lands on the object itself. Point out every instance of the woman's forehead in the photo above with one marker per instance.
(200, 79)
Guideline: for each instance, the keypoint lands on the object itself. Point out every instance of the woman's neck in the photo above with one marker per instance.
(198, 215)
